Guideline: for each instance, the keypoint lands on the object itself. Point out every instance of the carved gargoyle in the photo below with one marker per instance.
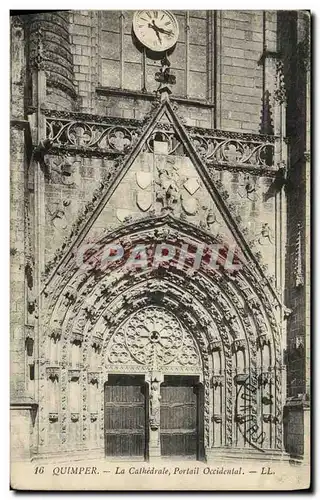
(39, 154)
(280, 181)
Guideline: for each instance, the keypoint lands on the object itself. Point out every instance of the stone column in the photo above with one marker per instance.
(154, 380)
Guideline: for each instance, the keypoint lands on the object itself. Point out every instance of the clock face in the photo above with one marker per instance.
(157, 30)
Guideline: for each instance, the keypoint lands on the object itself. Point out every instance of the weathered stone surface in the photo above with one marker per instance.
(208, 166)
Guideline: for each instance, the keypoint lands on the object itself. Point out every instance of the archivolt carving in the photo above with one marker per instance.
(237, 305)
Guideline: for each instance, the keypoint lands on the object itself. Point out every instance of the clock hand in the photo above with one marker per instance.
(156, 29)
(165, 31)
(157, 33)
(161, 30)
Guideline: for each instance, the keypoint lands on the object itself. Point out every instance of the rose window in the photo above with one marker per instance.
(153, 333)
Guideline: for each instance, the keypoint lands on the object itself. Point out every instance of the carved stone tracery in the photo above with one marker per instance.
(153, 337)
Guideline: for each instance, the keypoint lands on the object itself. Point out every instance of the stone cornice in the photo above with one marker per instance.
(107, 91)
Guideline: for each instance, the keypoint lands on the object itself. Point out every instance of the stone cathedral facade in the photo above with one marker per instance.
(134, 133)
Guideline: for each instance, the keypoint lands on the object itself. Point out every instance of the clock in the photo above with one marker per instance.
(157, 30)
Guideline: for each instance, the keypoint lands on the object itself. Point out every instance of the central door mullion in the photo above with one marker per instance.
(154, 381)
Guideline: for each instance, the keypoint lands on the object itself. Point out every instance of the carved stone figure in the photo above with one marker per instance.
(168, 193)
(265, 234)
(247, 189)
(154, 418)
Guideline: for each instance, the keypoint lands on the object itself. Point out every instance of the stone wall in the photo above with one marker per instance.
(296, 57)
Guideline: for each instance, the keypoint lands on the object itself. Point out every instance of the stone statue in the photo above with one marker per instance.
(168, 192)
(265, 234)
(155, 398)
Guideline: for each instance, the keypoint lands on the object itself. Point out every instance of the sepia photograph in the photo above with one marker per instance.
(160, 250)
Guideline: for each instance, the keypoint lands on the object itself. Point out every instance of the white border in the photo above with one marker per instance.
(4, 181)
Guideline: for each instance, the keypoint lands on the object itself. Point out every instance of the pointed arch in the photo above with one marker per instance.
(231, 317)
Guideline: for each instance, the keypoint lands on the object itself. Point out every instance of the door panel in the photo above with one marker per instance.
(179, 417)
(125, 410)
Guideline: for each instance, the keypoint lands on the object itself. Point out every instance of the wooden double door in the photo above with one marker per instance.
(127, 417)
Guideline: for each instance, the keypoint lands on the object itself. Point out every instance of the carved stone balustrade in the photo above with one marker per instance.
(87, 134)
(82, 133)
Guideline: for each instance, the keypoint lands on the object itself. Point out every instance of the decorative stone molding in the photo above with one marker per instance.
(36, 56)
(87, 134)
(93, 377)
(55, 334)
(298, 271)
(29, 332)
(217, 418)
(215, 345)
(84, 136)
(217, 381)
(226, 148)
(70, 297)
(265, 378)
(53, 373)
(93, 417)
(73, 375)
(280, 94)
(96, 343)
(76, 337)
(263, 340)
(238, 345)
(241, 378)
(269, 418)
